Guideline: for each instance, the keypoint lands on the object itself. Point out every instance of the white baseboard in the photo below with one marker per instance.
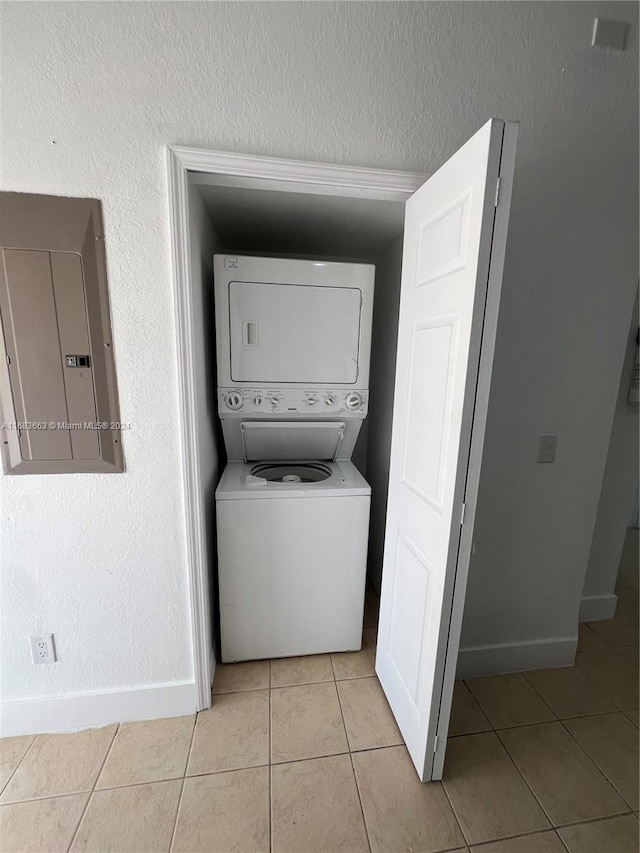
(513, 657)
(88, 710)
(594, 608)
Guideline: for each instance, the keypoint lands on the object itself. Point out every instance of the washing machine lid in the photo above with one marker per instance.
(290, 441)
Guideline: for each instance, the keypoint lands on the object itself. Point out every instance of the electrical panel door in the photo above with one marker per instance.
(57, 387)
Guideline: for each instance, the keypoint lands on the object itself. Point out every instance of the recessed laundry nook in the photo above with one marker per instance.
(341, 372)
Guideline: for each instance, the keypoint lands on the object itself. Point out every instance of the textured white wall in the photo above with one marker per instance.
(91, 94)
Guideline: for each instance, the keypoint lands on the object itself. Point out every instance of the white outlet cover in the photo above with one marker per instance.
(42, 648)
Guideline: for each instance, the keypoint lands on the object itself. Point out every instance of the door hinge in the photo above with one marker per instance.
(435, 745)
(497, 191)
(464, 507)
(8, 359)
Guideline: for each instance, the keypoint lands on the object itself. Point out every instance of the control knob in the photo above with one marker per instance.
(353, 401)
(257, 400)
(234, 400)
(310, 401)
(328, 400)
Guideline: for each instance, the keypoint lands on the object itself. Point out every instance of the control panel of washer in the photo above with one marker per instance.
(281, 401)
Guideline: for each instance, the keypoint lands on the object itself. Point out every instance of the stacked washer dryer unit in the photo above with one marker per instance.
(293, 347)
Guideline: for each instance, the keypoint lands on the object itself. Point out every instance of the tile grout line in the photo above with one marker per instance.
(270, 765)
(581, 716)
(544, 723)
(520, 725)
(541, 697)
(184, 779)
(521, 774)
(453, 811)
(548, 816)
(533, 832)
(333, 672)
(592, 631)
(595, 764)
(608, 644)
(99, 790)
(593, 683)
(353, 769)
(253, 766)
(344, 725)
(594, 819)
(558, 836)
(17, 767)
(91, 792)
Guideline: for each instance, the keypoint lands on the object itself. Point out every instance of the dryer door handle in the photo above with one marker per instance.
(250, 336)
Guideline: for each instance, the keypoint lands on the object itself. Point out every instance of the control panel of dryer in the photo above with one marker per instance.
(295, 401)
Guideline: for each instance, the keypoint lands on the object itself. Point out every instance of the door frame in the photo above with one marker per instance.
(297, 175)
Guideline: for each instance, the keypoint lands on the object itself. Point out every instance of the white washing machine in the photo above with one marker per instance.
(293, 340)
(292, 551)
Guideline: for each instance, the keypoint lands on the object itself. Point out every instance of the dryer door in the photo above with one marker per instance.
(294, 333)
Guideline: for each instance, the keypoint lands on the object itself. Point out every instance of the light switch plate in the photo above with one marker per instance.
(608, 33)
(547, 448)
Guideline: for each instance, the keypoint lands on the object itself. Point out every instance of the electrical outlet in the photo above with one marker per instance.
(42, 648)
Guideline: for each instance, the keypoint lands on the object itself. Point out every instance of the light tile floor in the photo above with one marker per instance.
(303, 755)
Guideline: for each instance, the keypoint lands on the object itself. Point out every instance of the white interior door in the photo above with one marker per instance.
(454, 240)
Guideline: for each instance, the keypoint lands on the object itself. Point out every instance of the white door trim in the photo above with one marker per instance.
(338, 180)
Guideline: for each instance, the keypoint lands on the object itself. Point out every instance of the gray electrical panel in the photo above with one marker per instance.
(58, 395)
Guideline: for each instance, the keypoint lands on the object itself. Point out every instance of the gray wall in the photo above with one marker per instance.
(383, 365)
(616, 497)
(394, 85)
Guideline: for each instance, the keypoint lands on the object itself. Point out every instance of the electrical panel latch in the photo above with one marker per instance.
(76, 360)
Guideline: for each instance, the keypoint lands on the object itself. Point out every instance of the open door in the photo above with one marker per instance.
(453, 255)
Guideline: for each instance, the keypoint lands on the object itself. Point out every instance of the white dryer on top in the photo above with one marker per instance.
(299, 324)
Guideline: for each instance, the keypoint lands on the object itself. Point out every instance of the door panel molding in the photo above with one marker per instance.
(410, 609)
(458, 253)
(451, 321)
